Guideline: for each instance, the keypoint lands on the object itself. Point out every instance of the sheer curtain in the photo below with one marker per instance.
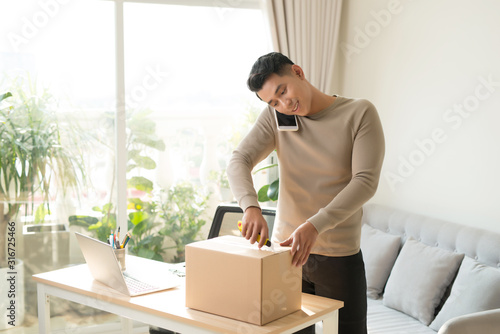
(307, 32)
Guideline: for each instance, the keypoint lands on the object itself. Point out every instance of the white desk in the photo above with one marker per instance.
(167, 308)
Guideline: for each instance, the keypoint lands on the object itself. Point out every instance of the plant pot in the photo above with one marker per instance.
(45, 248)
(12, 300)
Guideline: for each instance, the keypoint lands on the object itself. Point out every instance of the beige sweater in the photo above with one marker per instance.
(328, 169)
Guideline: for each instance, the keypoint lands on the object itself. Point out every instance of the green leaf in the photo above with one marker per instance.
(138, 217)
(131, 167)
(146, 253)
(109, 220)
(273, 190)
(84, 221)
(40, 214)
(136, 201)
(142, 126)
(157, 241)
(140, 183)
(107, 207)
(4, 96)
(262, 194)
(152, 142)
(157, 257)
(144, 162)
(96, 226)
(152, 242)
(140, 228)
(265, 167)
(97, 209)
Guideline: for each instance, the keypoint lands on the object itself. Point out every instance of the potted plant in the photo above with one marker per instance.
(219, 178)
(33, 159)
(34, 163)
(181, 210)
(146, 241)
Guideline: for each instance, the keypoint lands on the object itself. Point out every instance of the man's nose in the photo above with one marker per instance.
(287, 102)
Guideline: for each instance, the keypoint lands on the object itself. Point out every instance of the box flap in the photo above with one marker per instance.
(238, 245)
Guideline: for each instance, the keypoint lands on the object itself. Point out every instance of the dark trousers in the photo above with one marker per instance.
(341, 278)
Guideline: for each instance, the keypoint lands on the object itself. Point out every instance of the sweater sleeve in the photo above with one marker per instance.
(367, 158)
(254, 148)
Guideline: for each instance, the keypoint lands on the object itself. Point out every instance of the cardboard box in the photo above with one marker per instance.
(230, 277)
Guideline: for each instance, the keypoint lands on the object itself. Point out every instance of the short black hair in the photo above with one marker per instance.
(266, 65)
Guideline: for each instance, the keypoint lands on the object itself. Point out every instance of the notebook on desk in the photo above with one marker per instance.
(104, 267)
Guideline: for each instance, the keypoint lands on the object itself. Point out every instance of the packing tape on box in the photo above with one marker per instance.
(254, 246)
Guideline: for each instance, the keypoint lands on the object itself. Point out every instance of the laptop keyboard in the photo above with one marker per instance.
(136, 286)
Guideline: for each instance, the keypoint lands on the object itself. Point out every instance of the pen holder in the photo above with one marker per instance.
(120, 256)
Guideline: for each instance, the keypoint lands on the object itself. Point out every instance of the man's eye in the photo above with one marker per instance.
(283, 92)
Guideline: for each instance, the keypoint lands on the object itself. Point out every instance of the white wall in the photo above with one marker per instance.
(425, 64)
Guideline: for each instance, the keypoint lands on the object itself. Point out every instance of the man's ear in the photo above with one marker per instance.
(297, 70)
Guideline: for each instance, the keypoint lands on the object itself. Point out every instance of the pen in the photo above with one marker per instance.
(118, 236)
(127, 238)
(122, 244)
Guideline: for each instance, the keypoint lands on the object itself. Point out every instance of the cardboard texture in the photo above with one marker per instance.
(230, 277)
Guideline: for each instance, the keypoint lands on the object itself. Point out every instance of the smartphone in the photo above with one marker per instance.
(286, 122)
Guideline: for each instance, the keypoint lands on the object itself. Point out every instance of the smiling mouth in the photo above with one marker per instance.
(296, 107)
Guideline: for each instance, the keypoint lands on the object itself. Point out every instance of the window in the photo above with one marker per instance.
(185, 101)
(186, 70)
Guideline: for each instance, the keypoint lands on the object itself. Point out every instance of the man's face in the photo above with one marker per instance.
(288, 94)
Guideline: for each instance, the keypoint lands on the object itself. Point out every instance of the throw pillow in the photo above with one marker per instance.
(379, 254)
(419, 279)
(476, 289)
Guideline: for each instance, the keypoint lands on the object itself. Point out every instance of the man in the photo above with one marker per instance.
(328, 169)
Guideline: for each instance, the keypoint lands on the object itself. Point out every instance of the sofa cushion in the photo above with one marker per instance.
(385, 320)
(476, 289)
(419, 279)
(379, 254)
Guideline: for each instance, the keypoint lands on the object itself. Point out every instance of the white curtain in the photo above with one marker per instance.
(307, 32)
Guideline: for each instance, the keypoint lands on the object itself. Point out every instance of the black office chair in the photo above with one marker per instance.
(225, 222)
(226, 219)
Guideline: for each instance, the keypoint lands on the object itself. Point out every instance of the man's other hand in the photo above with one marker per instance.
(302, 241)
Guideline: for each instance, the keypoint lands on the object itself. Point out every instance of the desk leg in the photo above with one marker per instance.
(331, 324)
(43, 310)
(127, 326)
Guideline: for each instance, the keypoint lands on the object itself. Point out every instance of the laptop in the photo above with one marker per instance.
(151, 277)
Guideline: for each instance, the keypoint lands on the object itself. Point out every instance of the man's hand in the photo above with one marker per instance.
(302, 240)
(253, 224)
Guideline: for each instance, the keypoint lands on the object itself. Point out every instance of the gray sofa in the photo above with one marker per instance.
(425, 275)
